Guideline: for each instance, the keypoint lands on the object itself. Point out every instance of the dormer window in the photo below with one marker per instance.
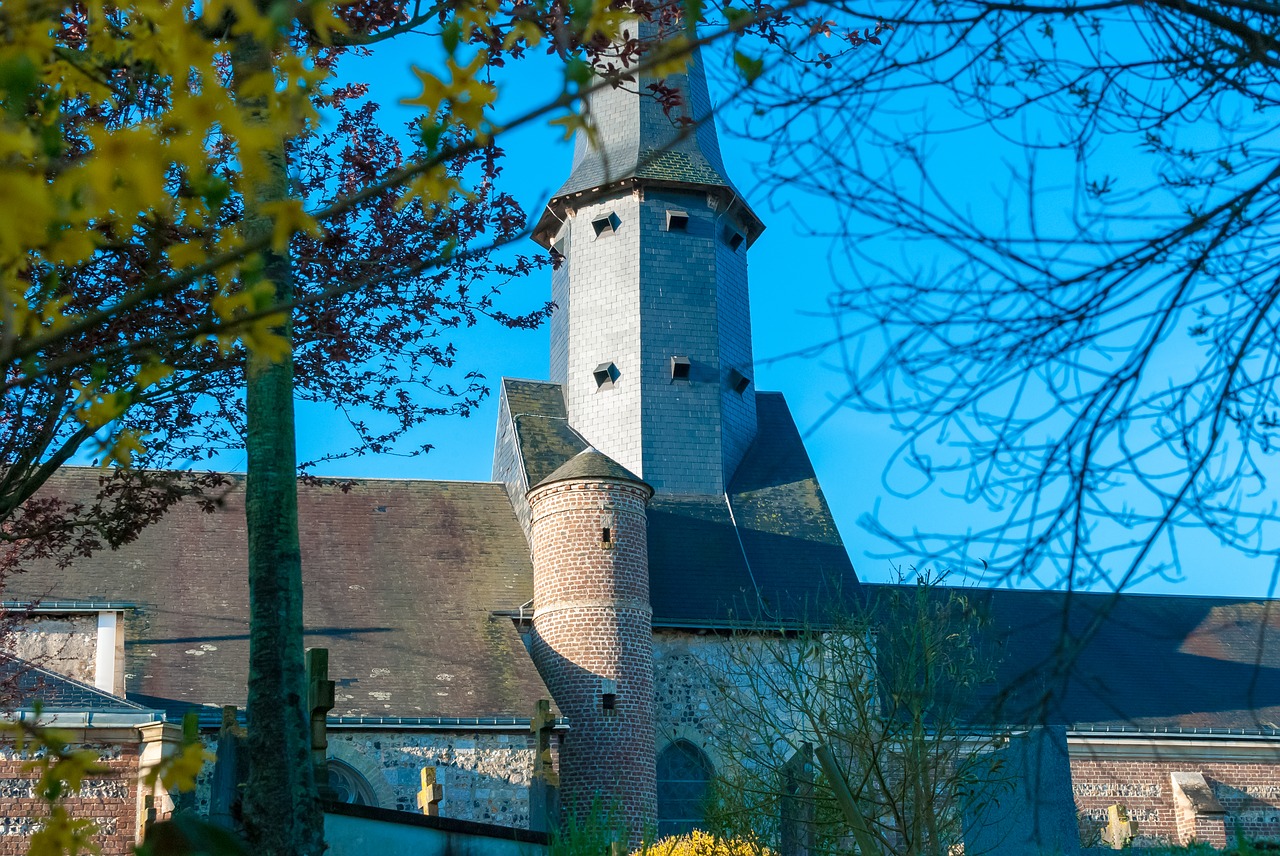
(680, 368)
(605, 374)
(606, 225)
(733, 237)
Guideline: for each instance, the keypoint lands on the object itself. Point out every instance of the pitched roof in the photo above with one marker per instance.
(636, 136)
(58, 693)
(400, 580)
(542, 426)
(1134, 661)
(770, 552)
(591, 463)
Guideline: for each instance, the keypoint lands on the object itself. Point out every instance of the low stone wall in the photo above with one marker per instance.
(109, 799)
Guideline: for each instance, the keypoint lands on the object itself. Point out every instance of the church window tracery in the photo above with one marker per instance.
(684, 776)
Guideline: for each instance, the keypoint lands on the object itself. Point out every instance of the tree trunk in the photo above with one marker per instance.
(282, 812)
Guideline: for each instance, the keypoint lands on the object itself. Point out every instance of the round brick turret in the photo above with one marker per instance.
(593, 633)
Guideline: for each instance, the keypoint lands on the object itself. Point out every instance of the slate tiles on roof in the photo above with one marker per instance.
(57, 693)
(1145, 662)
(542, 426)
(783, 561)
(400, 580)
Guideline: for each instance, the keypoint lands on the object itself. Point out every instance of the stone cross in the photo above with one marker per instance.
(431, 794)
(544, 792)
(320, 697)
(1120, 830)
(797, 803)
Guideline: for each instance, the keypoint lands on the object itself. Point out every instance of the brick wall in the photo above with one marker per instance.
(592, 625)
(110, 799)
(1250, 792)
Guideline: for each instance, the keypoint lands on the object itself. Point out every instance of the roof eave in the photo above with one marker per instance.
(554, 213)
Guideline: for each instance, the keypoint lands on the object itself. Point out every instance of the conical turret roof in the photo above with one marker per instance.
(591, 464)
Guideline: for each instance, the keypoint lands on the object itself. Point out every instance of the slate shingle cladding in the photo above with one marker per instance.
(782, 559)
(1132, 662)
(57, 693)
(401, 578)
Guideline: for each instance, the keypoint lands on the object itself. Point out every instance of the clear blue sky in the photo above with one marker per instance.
(790, 285)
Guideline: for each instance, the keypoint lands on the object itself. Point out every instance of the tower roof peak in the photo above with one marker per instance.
(644, 138)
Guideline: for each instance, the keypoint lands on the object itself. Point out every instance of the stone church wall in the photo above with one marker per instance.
(109, 799)
(66, 644)
(486, 775)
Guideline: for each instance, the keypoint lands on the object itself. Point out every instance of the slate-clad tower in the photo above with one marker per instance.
(651, 341)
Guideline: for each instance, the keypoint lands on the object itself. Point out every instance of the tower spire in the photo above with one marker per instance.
(642, 139)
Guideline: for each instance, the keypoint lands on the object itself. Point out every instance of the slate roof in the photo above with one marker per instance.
(1134, 662)
(780, 561)
(400, 579)
(638, 139)
(591, 463)
(58, 693)
(542, 426)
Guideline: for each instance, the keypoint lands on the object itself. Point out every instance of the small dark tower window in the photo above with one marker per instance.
(606, 374)
(557, 254)
(677, 221)
(680, 367)
(738, 382)
(733, 237)
(609, 697)
(606, 225)
(606, 537)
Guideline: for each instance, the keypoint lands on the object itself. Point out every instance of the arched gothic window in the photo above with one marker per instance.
(684, 774)
(348, 785)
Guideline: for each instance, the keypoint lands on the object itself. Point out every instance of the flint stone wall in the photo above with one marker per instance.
(66, 644)
(1250, 792)
(109, 799)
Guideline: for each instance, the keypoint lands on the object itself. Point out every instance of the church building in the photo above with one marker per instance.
(644, 499)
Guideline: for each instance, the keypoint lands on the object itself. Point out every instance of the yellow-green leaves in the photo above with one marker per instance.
(750, 67)
(461, 99)
(287, 219)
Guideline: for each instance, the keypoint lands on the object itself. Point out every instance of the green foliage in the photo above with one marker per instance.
(594, 830)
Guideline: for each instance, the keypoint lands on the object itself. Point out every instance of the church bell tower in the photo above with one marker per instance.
(651, 338)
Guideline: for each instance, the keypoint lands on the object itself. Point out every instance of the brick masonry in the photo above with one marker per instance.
(110, 799)
(1249, 791)
(592, 636)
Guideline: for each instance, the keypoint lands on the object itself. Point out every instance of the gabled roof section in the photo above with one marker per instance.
(770, 552)
(57, 693)
(401, 578)
(542, 426)
(591, 463)
(1131, 662)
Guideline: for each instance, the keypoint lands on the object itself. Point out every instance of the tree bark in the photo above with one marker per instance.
(282, 813)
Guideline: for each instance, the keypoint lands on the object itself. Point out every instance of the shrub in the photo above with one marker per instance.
(699, 843)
